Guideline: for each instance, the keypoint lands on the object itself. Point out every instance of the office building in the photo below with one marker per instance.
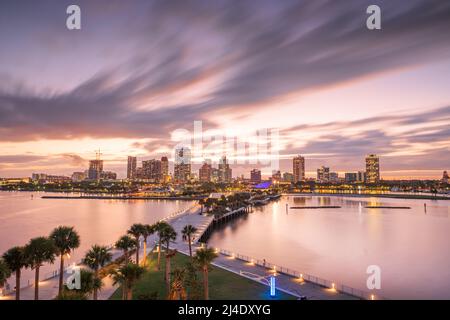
(255, 176)
(372, 169)
(323, 174)
(182, 166)
(131, 167)
(298, 166)
(225, 173)
(95, 169)
(205, 172)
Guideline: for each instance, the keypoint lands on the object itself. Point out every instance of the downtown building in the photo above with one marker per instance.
(372, 169)
(131, 167)
(298, 166)
(95, 169)
(205, 172)
(182, 165)
(323, 174)
(255, 176)
(225, 173)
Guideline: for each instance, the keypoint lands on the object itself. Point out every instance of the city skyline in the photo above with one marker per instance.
(134, 74)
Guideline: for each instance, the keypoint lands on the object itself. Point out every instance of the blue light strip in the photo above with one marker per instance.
(272, 286)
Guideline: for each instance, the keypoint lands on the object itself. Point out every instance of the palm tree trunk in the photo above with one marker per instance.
(205, 282)
(130, 294)
(159, 254)
(137, 252)
(18, 284)
(36, 284)
(124, 290)
(95, 290)
(190, 246)
(168, 274)
(61, 274)
(167, 252)
(145, 251)
(125, 254)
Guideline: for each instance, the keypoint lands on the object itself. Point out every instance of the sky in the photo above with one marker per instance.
(139, 73)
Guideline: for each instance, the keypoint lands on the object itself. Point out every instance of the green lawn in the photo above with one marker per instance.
(222, 284)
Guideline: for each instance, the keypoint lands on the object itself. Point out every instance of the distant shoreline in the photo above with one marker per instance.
(123, 198)
(366, 195)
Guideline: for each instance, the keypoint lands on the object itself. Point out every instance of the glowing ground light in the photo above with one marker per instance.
(333, 286)
(272, 286)
(372, 297)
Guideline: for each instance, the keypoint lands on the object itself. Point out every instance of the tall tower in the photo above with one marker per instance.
(131, 167)
(298, 166)
(372, 169)
(164, 167)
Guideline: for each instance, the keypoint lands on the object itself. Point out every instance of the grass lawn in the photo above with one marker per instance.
(222, 284)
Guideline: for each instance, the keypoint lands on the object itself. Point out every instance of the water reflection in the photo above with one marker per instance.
(339, 244)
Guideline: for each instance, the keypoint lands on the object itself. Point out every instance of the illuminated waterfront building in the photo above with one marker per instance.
(131, 167)
(298, 166)
(372, 169)
(255, 176)
(323, 174)
(351, 177)
(165, 168)
(108, 175)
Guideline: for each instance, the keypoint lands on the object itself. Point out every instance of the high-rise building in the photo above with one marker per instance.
(131, 167)
(95, 169)
(255, 176)
(182, 166)
(224, 170)
(323, 174)
(165, 168)
(361, 176)
(445, 177)
(205, 172)
(372, 169)
(288, 177)
(152, 169)
(298, 165)
(215, 175)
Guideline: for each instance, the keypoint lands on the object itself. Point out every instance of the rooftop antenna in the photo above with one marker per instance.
(97, 154)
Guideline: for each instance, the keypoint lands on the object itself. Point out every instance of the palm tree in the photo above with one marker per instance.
(127, 276)
(126, 244)
(5, 272)
(203, 259)
(147, 231)
(159, 227)
(177, 288)
(136, 230)
(38, 251)
(15, 259)
(168, 234)
(65, 239)
(188, 231)
(96, 258)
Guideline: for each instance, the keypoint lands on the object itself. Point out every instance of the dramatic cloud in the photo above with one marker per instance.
(140, 69)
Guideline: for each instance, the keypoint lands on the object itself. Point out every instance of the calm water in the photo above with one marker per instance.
(97, 221)
(410, 246)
